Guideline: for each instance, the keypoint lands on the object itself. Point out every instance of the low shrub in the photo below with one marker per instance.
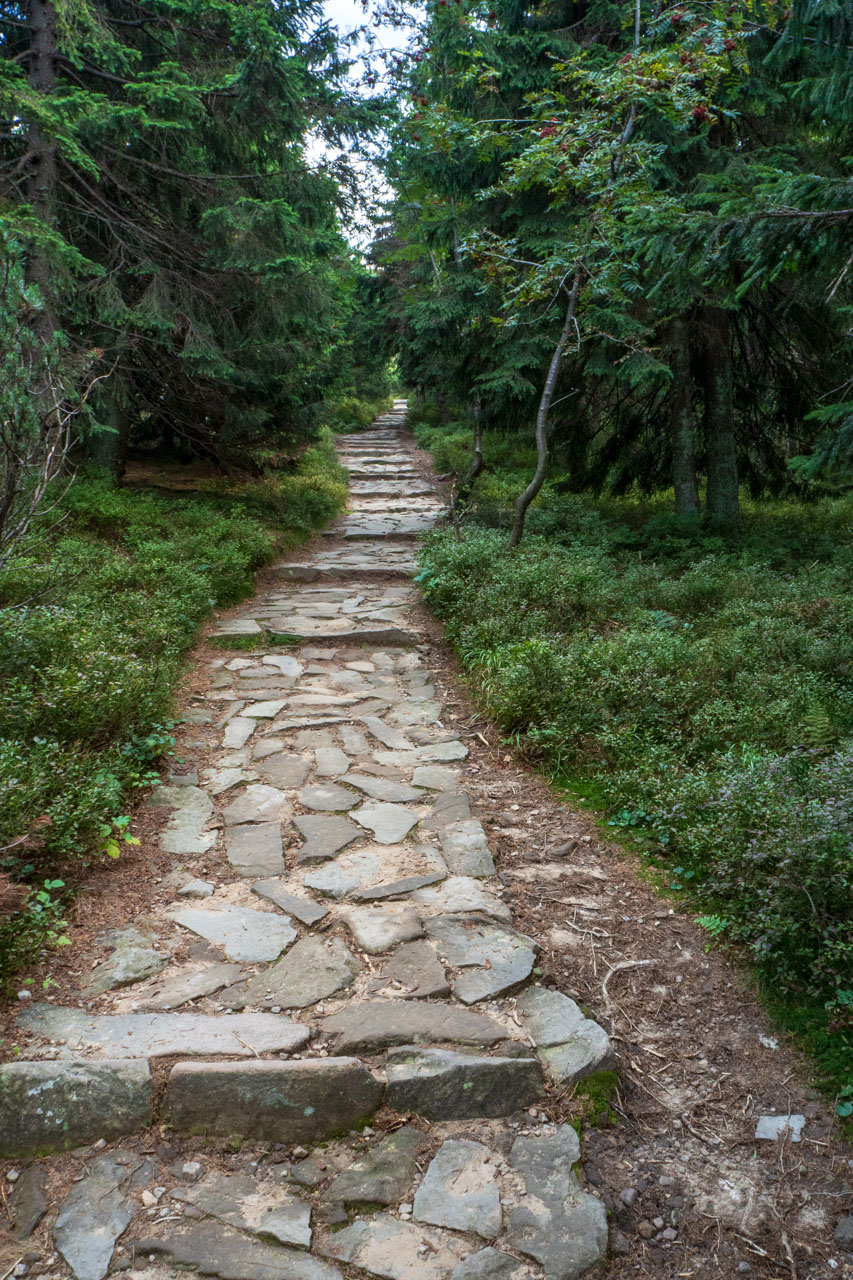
(354, 413)
(95, 616)
(701, 690)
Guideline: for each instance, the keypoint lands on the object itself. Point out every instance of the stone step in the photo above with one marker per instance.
(382, 636)
(333, 573)
(54, 1106)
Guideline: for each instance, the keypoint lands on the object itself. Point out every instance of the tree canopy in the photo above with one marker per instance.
(652, 202)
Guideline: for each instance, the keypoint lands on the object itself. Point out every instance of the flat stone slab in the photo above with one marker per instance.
(466, 850)
(324, 836)
(257, 803)
(371, 1025)
(384, 1174)
(387, 734)
(492, 959)
(331, 762)
(390, 823)
(238, 627)
(93, 1216)
(305, 910)
(384, 788)
(313, 969)
(396, 888)
(559, 1225)
(262, 1208)
(435, 777)
(306, 1100)
(27, 1202)
(441, 1084)
(265, 710)
(462, 895)
(214, 1249)
(771, 1128)
(129, 963)
(158, 1035)
(56, 1106)
(395, 1250)
(250, 937)
(177, 987)
(238, 731)
(460, 1190)
(285, 664)
(192, 809)
(378, 929)
(369, 871)
(416, 966)
(571, 1045)
(196, 889)
(328, 797)
(282, 769)
(433, 752)
(255, 849)
(491, 1264)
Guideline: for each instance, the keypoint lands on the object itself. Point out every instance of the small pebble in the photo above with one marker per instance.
(629, 1196)
(658, 1223)
(99, 1145)
(25, 995)
(148, 1199)
(192, 1170)
(20, 1269)
(744, 1269)
(13, 1175)
(645, 1230)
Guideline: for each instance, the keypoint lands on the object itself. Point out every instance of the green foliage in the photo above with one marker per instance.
(354, 413)
(93, 626)
(702, 690)
(178, 230)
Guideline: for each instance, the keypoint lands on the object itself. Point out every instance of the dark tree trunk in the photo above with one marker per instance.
(722, 498)
(41, 194)
(41, 178)
(108, 448)
(682, 422)
(542, 425)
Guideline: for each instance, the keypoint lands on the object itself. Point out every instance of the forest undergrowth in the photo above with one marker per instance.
(97, 611)
(695, 691)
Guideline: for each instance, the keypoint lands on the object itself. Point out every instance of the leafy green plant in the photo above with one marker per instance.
(700, 693)
(113, 835)
(95, 616)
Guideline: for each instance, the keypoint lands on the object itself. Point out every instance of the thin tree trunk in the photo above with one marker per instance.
(41, 194)
(682, 422)
(542, 425)
(108, 449)
(722, 497)
(476, 466)
(41, 180)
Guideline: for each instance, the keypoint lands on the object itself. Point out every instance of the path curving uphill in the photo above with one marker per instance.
(323, 1052)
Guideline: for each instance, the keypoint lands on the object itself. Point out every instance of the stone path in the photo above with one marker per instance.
(327, 1054)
